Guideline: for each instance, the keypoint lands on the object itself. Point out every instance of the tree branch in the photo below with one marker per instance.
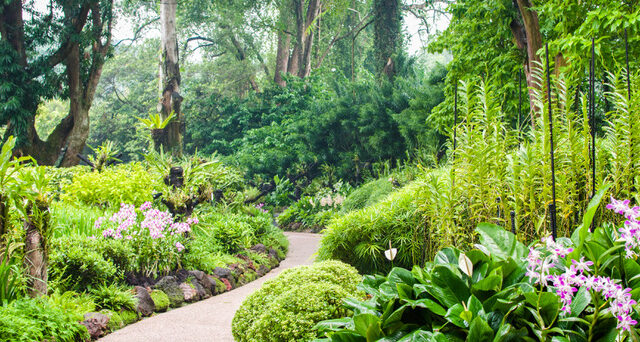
(137, 33)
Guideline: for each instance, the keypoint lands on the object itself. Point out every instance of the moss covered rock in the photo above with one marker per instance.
(128, 316)
(115, 321)
(160, 299)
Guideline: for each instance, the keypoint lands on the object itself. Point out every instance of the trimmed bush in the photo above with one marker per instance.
(287, 308)
(75, 267)
(160, 299)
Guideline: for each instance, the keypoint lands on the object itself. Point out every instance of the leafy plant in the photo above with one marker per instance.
(113, 297)
(104, 155)
(155, 121)
(9, 274)
(287, 307)
(27, 320)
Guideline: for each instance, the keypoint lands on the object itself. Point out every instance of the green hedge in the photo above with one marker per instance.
(288, 307)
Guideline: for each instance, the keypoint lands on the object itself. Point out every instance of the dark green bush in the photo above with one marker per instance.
(31, 320)
(76, 267)
(287, 307)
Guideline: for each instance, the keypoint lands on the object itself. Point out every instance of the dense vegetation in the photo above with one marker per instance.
(413, 160)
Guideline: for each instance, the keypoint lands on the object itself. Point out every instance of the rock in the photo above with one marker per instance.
(169, 285)
(222, 272)
(262, 270)
(160, 299)
(199, 275)
(259, 248)
(96, 323)
(189, 292)
(274, 254)
(145, 305)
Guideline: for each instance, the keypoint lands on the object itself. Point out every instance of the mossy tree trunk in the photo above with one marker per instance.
(36, 256)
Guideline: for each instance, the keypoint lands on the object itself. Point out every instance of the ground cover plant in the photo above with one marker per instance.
(582, 288)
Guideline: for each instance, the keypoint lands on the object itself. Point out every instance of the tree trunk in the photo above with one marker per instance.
(73, 130)
(282, 58)
(36, 256)
(387, 39)
(171, 100)
(300, 59)
(529, 39)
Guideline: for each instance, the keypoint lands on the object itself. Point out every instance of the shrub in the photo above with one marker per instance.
(31, 320)
(361, 237)
(73, 303)
(366, 195)
(76, 267)
(113, 297)
(160, 299)
(129, 183)
(287, 307)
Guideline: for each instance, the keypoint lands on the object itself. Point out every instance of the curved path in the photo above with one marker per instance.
(210, 319)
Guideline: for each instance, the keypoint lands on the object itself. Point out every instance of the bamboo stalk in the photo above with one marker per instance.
(552, 206)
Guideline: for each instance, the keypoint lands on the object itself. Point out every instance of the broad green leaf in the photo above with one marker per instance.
(590, 212)
(449, 282)
(333, 324)
(454, 316)
(447, 255)
(368, 325)
(547, 303)
(580, 301)
(493, 282)
(480, 331)
(500, 242)
(401, 275)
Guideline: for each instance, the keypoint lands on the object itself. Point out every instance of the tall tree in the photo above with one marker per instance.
(388, 35)
(59, 54)
(171, 100)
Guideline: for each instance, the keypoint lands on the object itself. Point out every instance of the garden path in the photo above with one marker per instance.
(210, 319)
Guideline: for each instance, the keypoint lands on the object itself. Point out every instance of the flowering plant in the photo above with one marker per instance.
(156, 238)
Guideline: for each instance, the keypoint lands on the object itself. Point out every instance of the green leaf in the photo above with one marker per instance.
(447, 287)
(580, 301)
(368, 325)
(547, 303)
(493, 282)
(590, 212)
(454, 316)
(480, 331)
(500, 242)
(332, 324)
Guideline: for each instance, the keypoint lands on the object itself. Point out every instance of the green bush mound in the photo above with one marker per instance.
(361, 237)
(368, 194)
(160, 299)
(31, 320)
(286, 308)
(115, 321)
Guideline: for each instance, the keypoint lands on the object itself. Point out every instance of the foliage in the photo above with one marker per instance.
(287, 307)
(72, 303)
(103, 155)
(155, 121)
(491, 293)
(130, 183)
(230, 232)
(38, 320)
(367, 194)
(113, 297)
(72, 219)
(76, 267)
(9, 274)
(360, 237)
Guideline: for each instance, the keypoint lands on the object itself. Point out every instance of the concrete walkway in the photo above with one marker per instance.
(210, 319)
